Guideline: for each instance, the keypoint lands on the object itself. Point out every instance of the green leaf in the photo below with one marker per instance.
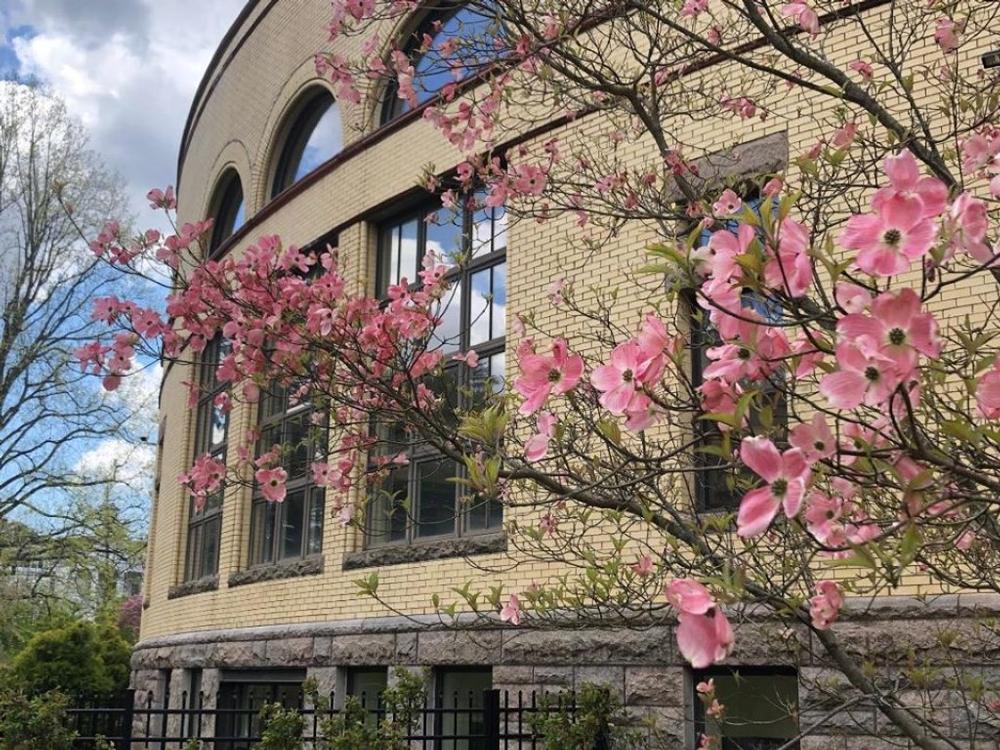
(610, 430)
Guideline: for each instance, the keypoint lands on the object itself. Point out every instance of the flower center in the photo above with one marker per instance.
(819, 445)
(892, 237)
(627, 376)
(554, 376)
(871, 373)
(897, 336)
(743, 353)
(830, 515)
(779, 487)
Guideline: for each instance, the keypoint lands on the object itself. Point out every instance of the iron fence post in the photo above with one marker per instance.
(491, 720)
(127, 718)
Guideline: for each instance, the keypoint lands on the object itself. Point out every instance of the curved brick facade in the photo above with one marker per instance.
(304, 613)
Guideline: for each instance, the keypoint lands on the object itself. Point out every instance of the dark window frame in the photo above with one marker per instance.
(392, 107)
(310, 543)
(209, 519)
(456, 375)
(229, 201)
(351, 688)
(237, 721)
(295, 135)
(700, 723)
(470, 711)
(709, 481)
(314, 497)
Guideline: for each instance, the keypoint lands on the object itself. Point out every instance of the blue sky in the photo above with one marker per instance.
(8, 57)
(126, 68)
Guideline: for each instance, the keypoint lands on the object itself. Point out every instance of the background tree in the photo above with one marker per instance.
(52, 187)
(848, 412)
(70, 526)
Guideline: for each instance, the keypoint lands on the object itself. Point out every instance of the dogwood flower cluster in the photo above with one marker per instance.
(284, 313)
(704, 635)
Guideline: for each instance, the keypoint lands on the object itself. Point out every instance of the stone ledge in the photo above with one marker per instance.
(893, 609)
(764, 155)
(482, 544)
(308, 566)
(197, 586)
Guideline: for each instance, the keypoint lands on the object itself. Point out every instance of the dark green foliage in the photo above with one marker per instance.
(87, 662)
(597, 721)
(32, 723)
(281, 728)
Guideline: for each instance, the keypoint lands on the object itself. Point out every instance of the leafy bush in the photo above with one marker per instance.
(32, 723)
(597, 720)
(355, 728)
(281, 728)
(82, 660)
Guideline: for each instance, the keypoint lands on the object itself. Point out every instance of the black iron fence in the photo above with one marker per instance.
(490, 720)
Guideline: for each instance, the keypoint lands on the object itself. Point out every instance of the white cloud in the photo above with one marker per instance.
(128, 69)
(129, 464)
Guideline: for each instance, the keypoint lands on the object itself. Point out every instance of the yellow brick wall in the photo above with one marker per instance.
(239, 123)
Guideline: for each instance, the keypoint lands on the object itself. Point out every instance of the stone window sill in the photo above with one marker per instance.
(307, 566)
(438, 549)
(197, 586)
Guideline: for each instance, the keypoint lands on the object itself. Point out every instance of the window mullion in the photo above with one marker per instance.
(413, 491)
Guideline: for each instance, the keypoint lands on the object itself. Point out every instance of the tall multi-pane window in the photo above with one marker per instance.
(293, 528)
(211, 433)
(715, 481)
(419, 501)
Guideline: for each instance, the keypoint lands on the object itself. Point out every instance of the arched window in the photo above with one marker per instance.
(228, 210)
(311, 137)
(432, 71)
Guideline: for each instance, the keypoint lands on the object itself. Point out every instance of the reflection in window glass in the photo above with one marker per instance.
(488, 375)
(761, 707)
(292, 528)
(314, 535)
(460, 693)
(211, 429)
(291, 524)
(432, 71)
(472, 317)
(436, 498)
(229, 210)
(313, 138)
(444, 237)
(489, 229)
(449, 331)
(387, 509)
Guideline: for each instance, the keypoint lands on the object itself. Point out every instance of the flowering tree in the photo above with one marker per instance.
(801, 356)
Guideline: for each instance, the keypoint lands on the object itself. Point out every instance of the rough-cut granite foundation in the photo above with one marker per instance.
(640, 665)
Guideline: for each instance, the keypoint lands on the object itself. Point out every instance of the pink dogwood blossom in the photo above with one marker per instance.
(620, 382)
(272, 483)
(787, 475)
(803, 15)
(511, 611)
(865, 376)
(825, 606)
(537, 446)
(814, 438)
(988, 392)
(544, 375)
(704, 635)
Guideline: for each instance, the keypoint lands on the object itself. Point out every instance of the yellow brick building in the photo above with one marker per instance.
(243, 599)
